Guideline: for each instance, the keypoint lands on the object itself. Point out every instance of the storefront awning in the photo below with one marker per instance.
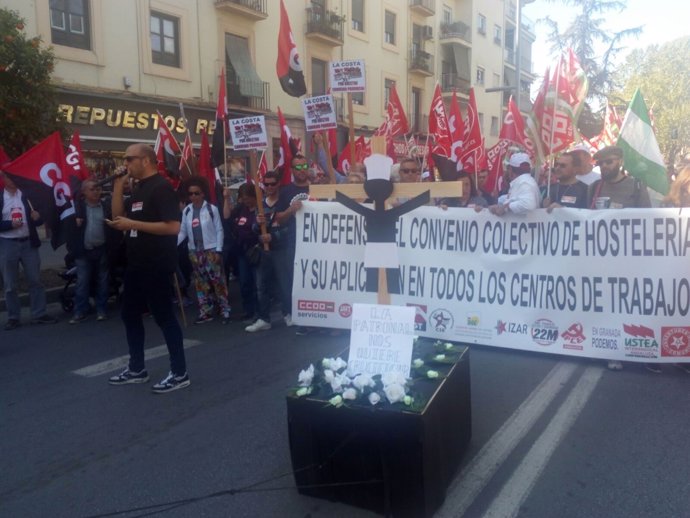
(250, 83)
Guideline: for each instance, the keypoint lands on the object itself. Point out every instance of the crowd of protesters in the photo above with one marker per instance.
(250, 237)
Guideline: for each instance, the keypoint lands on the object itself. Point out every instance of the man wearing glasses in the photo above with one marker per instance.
(151, 222)
(617, 190)
(569, 191)
(289, 202)
(89, 242)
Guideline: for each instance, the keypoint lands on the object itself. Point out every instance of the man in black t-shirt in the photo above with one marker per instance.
(569, 191)
(151, 222)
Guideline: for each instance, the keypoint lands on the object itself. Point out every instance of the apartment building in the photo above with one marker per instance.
(121, 61)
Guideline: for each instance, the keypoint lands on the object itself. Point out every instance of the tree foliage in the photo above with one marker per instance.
(596, 47)
(28, 100)
(662, 74)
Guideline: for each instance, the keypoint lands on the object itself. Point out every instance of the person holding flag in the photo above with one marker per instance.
(19, 243)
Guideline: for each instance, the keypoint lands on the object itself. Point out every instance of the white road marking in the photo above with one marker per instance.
(517, 489)
(97, 369)
(474, 477)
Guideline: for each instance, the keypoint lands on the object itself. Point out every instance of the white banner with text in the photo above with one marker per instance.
(609, 284)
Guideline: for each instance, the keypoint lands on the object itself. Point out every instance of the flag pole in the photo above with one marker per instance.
(192, 166)
(351, 129)
(426, 146)
(253, 167)
(550, 160)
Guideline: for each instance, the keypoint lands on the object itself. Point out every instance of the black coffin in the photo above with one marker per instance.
(384, 458)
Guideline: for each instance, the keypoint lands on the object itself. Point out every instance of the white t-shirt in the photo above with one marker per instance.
(13, 208)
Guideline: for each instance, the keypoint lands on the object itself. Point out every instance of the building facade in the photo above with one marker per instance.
(120, 62)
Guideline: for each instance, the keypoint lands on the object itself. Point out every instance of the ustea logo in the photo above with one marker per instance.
(419, 316)
(639, 341)
(675, 341)
(441, 319)
(544, 332)
(345, 310)
(473, 319)
(573, 337)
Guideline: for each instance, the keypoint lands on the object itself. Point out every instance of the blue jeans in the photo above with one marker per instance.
(12, 253)
(151, 290)
(247, 285)
(93, 261)
(268, 280)
(284, 265)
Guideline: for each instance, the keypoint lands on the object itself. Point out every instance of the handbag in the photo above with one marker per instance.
(253, 255)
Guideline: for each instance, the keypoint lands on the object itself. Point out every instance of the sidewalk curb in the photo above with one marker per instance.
(52, 296)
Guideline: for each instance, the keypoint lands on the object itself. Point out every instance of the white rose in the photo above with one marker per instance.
(448, 345)
(417, 363)
(393, 377)
(306, 376)
(326, 363)
(328, 375)
(363, 380)
(338, 364)
(432, 374)
(336, 384)
(350, 394)
(408, 400)
(374, 398)
(440, 357)
(394, 392)
(336, 401)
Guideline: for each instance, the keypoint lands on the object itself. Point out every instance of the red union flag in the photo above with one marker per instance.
(167, 150)
(563, 101)
(473, 152)
(438, 125)
(288, 66)
(74, 159)
(42, 175)
(285, 159)
(397, 121)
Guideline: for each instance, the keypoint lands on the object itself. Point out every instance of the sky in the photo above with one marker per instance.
(662, 21)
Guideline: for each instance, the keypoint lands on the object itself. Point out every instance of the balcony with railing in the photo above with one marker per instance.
(261, 100)
(423, 7)
(421, 62)
(254, 9)
(325, 26)
(455, 32)
(452, 82)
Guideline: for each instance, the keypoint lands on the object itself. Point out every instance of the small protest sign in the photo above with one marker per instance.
(348, 76)
(381, 339)
(319, 113)
(249, 133)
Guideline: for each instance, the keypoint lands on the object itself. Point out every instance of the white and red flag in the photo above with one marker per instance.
(206, 169)
(473, 152)
(75, 159)
(187, 165)
(288, 66)
(397, 120)
(456, 127)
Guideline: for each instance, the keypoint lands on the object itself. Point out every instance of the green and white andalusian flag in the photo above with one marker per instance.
(641, 155)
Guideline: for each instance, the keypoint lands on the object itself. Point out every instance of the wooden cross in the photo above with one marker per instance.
(400, 190)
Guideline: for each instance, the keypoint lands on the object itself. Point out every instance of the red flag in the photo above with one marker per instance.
(609, 133)
(474, 154)
(263, 168)
(457, 132)
(438, 126)
(187, 166)
(167, 150)
(397, 121)
(285, 160)
(206, 169)
(221, 134)
(41, 174)
(75, 159)
(288, 66)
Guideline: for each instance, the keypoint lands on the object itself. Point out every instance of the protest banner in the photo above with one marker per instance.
(347, 76)
(249, 133)
(319, 113)
(600, 284)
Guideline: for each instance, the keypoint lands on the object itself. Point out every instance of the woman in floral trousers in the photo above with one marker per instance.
(202, 225)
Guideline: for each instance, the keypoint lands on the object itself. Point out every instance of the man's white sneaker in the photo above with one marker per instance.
(259, 325)
(288, 320)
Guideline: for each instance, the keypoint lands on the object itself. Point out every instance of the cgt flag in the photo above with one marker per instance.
(42, 175)
(222, 132)
(288, 66)
(641, 155)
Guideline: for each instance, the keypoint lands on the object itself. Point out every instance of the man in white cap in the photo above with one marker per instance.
(523, 194)
(585, 170)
